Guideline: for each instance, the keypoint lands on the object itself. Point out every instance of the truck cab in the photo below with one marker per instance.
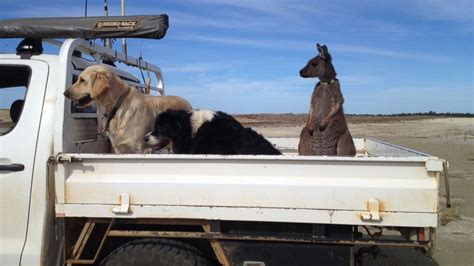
(30, 103)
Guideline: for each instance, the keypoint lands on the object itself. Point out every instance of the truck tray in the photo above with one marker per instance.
(384, 185)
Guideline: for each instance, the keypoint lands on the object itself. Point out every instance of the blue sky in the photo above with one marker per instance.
(243, 56)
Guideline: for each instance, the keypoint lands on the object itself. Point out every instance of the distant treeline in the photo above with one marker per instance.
(430, 113)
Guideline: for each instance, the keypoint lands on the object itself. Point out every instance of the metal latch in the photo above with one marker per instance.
(374, 211)
(124, 207)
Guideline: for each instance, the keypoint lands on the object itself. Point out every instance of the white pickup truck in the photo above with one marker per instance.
(65, 199)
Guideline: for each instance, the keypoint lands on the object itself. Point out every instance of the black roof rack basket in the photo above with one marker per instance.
(147, 27)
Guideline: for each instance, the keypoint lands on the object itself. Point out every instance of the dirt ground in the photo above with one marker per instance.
(447, 138)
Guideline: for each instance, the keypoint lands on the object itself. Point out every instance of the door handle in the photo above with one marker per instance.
(14, 167)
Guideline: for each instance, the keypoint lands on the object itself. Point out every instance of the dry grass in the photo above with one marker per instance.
(5, 120)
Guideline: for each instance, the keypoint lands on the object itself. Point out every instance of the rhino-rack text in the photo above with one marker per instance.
(116, 25)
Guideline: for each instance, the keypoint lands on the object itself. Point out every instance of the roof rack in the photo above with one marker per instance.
(147, 27)
(100, 54)
(79, 33)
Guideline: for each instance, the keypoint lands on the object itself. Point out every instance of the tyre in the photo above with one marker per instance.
(162, 252)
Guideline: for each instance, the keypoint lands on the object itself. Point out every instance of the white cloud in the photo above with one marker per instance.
(242, 41)
(240, 95)
(305, 45)
(273, 7)
(348, 48)
(203, 67)
(452, 10)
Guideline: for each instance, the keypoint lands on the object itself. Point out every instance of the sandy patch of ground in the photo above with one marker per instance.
(5, 119)
(447, 138)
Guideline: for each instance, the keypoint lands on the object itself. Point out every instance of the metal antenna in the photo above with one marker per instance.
(107, 41)
(124, 41)
(85, 8)
(106, 8)
(140, 62)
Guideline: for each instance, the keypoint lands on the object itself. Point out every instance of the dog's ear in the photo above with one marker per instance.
(100, 83)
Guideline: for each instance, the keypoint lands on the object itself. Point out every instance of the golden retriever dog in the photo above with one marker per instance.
(129, 113)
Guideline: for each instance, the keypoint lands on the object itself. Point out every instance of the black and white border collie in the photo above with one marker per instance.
(206, 132)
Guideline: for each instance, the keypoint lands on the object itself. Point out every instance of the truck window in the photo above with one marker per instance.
(13, 87)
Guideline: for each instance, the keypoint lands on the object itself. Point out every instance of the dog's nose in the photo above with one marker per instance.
(146, 138)
(66, 93)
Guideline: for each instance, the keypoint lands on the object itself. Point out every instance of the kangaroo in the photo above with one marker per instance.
(326, 131)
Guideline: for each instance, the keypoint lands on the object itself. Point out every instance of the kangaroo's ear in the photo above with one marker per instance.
(319, 47)
(321, 50)
(325, 51)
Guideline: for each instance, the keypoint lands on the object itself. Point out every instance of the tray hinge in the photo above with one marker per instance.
(124, 207)
(373, 214)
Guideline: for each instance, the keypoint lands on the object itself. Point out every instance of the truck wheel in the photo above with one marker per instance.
(162, 252)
